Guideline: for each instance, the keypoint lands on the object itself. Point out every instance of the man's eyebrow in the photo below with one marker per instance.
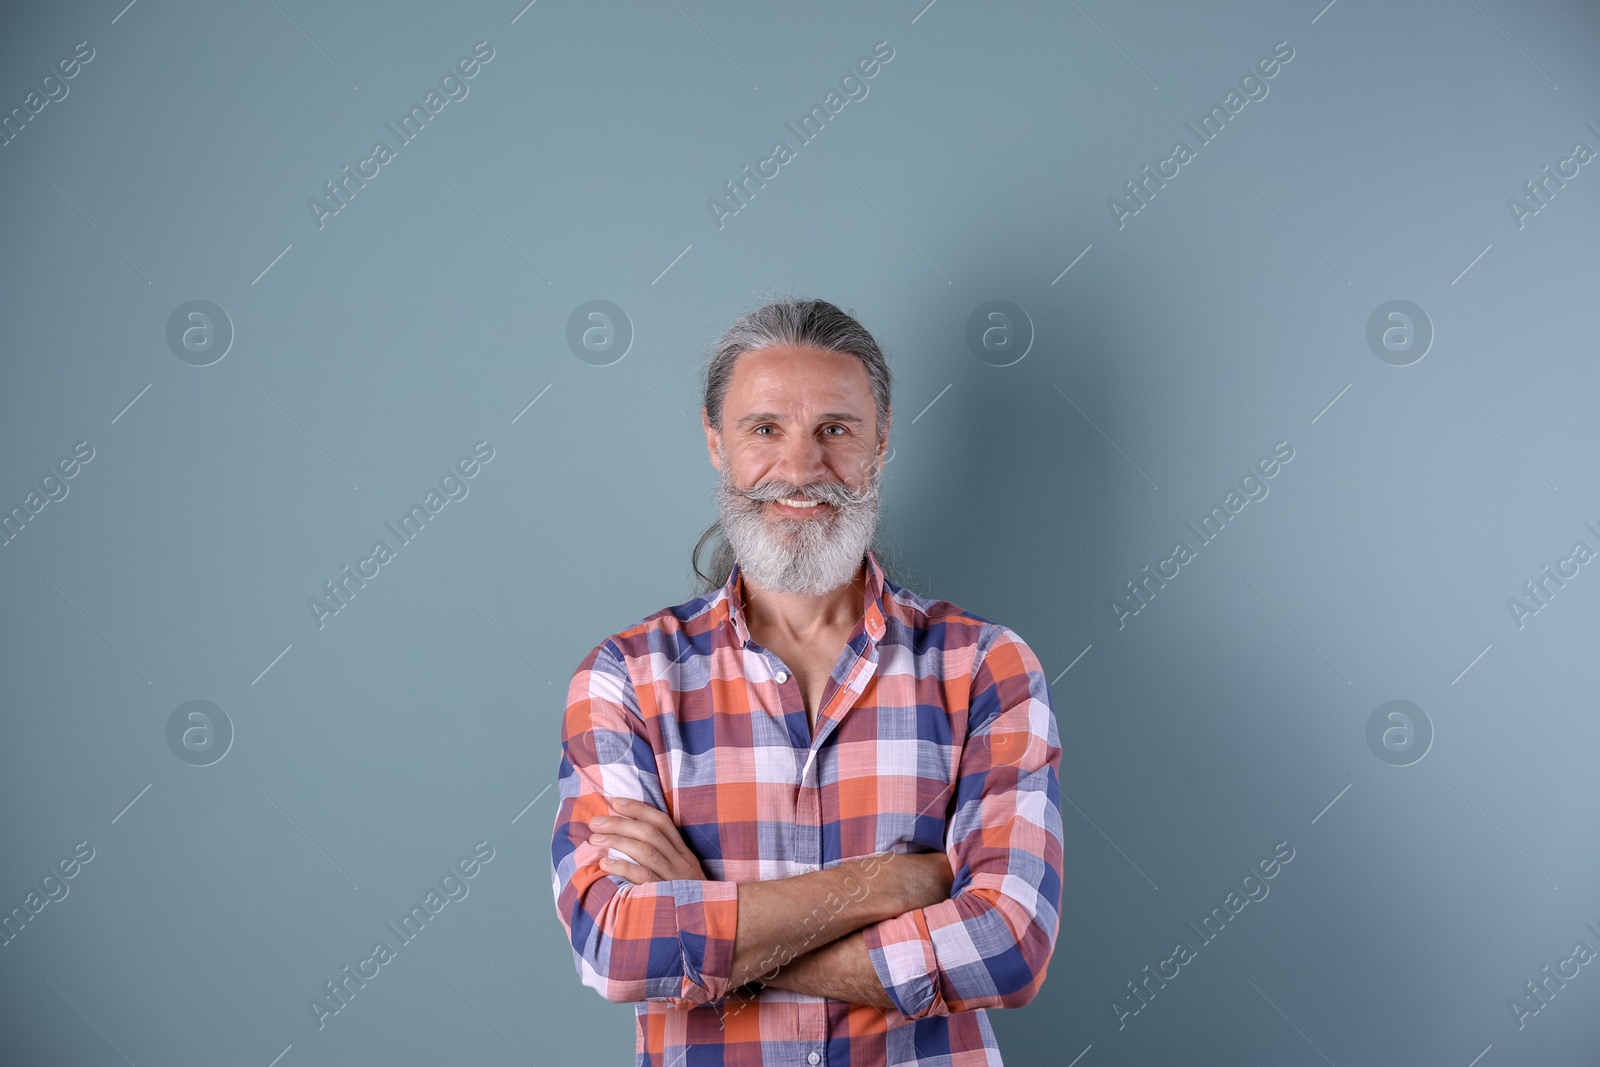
(757, 417)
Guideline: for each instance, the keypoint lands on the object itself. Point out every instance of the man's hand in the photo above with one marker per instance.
(648, 836)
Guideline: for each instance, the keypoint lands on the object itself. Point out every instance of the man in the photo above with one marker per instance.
(808, 817)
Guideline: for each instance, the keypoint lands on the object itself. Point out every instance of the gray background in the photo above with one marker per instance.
(1229, 715)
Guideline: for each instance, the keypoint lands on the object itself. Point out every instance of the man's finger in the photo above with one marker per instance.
(669, 844)
(633, 830)
(649, 813)
(631, 871)
(641, 851)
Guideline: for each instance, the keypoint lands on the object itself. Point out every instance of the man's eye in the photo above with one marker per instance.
(830, 426)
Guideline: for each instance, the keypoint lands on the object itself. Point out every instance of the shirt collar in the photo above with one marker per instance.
(871, 607)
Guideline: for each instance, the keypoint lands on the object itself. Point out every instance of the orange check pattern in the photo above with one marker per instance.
(935, 732)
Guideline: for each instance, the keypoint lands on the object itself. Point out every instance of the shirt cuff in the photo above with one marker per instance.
(707, 914)
(902, 955)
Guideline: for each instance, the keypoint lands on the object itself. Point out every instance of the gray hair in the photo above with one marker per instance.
(783, 322)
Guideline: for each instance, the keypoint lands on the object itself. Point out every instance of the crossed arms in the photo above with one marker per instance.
(645, 923)
(783, 938)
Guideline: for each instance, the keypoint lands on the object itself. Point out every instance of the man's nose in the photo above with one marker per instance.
(801, 463)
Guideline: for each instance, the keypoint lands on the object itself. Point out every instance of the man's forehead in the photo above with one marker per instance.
(800, 377)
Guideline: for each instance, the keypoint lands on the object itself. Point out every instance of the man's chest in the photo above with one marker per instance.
(810, 666)
(762, 793)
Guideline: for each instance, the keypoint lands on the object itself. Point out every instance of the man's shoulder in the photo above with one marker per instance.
(674, 631)
(928, 620)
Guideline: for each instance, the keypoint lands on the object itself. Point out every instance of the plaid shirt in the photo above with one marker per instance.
(935, 731)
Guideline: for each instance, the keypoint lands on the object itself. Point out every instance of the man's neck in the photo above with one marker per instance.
(797, 618)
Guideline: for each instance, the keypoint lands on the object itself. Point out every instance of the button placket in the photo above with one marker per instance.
(812, 1017)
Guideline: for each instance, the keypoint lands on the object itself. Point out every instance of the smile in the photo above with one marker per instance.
(792, 506)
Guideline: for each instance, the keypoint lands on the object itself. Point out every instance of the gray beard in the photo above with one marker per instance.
(805, 556)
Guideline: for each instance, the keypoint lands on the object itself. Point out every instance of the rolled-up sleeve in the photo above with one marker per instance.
(670, 940)
(988, 946)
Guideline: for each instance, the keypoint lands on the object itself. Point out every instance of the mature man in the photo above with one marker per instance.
(809, 817)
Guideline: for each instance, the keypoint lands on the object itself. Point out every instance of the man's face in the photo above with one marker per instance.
(798, 423)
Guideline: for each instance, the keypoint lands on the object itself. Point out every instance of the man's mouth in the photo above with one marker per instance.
(796, 506)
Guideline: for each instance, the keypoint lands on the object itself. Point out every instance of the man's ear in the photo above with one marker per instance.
(713, 440)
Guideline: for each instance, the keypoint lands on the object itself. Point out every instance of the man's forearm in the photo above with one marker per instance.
(841, 970)
(781, 919)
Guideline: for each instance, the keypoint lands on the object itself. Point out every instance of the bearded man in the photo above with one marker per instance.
(810, 816)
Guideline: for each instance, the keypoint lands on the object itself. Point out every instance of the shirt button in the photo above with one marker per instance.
(814, 1058)
(783, 676)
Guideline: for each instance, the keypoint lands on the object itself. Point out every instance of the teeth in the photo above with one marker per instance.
(800, 503)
